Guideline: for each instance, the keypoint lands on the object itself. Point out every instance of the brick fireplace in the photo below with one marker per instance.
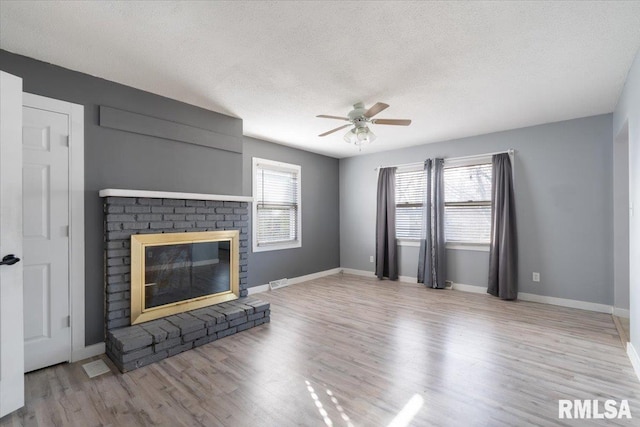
(133, 212)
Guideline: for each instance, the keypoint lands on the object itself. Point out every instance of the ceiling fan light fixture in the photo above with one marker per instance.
(350, 136)
(360, 136)
(362, 133)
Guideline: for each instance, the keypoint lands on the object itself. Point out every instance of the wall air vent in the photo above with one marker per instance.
(275, 284)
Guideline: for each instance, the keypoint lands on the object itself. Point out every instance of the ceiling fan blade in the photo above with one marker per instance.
(396, 122)
(376, 109)
(334, 130)
(324, 116)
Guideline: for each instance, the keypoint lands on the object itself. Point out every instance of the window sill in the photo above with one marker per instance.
(407, 242)
(468, 247)
(277, 247)
(481, 247)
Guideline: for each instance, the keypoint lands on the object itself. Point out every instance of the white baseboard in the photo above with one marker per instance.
(87, 352)
(562, 302)
(621, 312)
(408, 279)
(312, 276)
(257, 289)
(358, 272)
(295, 280)
(404, 279)
(469, 288)
(633, 357)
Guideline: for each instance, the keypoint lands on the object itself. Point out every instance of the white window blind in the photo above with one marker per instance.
(410, 188)
(467, 194)
(277, 205)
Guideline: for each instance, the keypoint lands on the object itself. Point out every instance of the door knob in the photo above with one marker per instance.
(9, 260)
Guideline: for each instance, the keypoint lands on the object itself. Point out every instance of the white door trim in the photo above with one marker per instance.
(75, 113)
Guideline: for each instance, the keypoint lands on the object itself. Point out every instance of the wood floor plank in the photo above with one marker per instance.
(347, 351)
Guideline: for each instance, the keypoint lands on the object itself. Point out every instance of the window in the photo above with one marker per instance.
(276, 206)
(467, 207)
(410, 188)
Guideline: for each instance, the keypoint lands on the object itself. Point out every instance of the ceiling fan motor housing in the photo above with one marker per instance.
(360, 122)
(357, 112)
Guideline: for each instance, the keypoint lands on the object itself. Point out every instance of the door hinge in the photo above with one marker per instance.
(68, 321)
(66, 230)
(66, 141)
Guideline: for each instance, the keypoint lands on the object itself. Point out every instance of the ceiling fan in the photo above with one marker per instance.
(360, 118)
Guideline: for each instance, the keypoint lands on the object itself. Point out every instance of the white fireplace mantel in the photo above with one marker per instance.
(117, 192)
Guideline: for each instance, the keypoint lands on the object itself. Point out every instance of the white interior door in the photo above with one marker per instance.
(11, 332)
(45, 174)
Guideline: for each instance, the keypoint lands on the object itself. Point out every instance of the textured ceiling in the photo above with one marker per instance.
(455, 68)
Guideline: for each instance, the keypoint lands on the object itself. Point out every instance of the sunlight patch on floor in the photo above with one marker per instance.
(339, 408)
(316, 401)
(323, 412)
(407, 413)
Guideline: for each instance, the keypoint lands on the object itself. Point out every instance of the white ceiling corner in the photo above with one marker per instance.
(455, 68)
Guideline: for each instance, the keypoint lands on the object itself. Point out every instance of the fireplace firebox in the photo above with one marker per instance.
(177, 272)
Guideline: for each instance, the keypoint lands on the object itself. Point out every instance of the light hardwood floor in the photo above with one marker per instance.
(346, 350)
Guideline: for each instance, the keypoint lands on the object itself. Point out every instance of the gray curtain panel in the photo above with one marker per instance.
(386, 246)
(503, 255)
(425, 260)
(432, 262)
(440, 249)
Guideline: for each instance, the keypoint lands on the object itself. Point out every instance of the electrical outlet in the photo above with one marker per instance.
(536, 277)
(371, 258)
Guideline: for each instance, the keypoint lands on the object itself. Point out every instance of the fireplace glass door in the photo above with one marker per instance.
(181, 272)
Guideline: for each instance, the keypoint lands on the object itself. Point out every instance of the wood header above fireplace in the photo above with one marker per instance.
(119, 192)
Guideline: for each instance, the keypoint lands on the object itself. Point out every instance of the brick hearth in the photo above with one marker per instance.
(139, 345)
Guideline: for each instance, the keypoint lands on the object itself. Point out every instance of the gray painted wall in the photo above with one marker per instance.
(320, 215)
(627, 113)
(117, 159)
(563, 181)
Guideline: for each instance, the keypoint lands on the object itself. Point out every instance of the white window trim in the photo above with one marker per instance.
(408, 242)
(254, 229)
(410, 168)
(456, 246)
(482, 159)
(463, 161)
(479, 247)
